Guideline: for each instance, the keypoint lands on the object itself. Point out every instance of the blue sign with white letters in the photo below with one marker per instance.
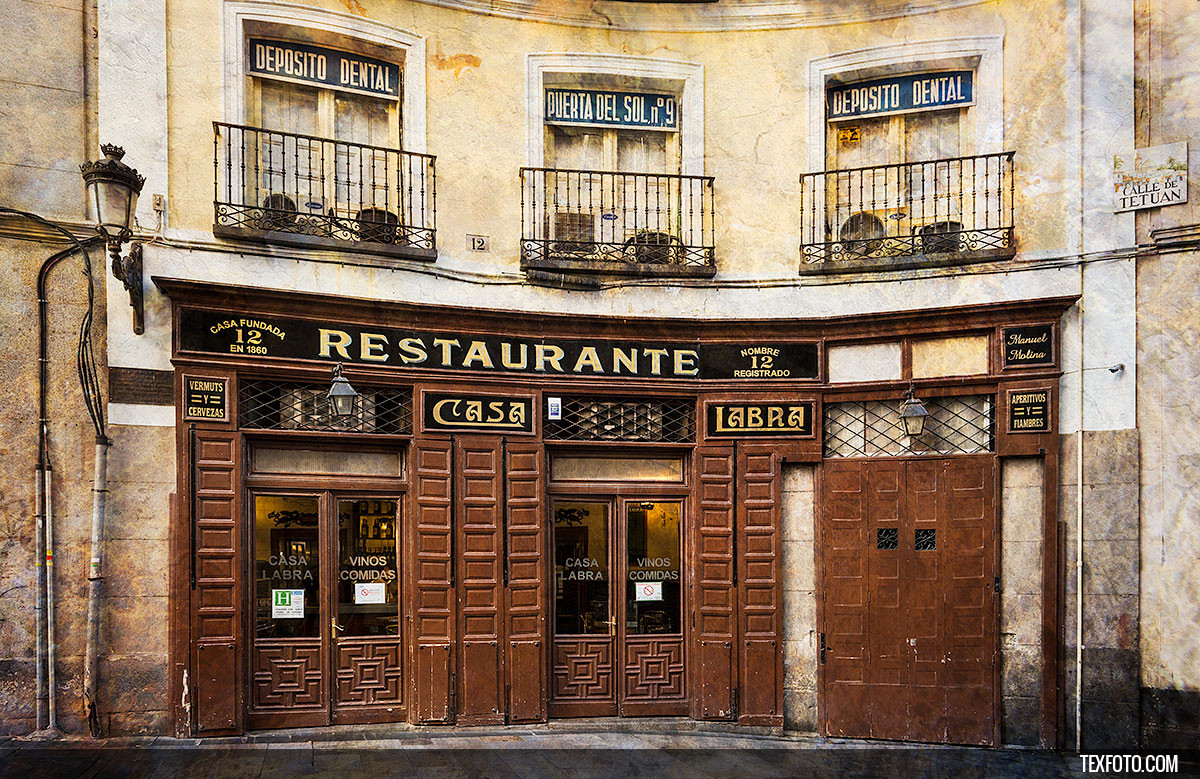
(612, 109)
(901, 94)
(303, 62)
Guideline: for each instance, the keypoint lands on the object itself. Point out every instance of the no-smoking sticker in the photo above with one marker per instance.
(648, 591)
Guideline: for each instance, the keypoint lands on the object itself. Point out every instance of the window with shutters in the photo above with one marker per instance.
(902, 184)
(320, 157)
(610, 195)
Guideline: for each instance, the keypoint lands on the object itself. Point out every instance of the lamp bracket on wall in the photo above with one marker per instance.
(128, 270)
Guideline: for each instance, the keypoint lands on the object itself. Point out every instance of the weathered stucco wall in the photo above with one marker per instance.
(1021, 561)
(799, 600)
(1111, 602)
(755, 107)
(1168, 404)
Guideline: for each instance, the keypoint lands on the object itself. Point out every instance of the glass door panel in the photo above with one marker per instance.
(583, 668)
(653, 570)
(581, 604)
(287, 664)
(367, 591)
(650, 639)
(287, 567)
(367, 654)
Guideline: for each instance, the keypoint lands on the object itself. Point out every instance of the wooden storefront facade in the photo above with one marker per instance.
(530, 517)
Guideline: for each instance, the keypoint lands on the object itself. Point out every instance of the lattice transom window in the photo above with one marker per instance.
(275, 405)
(594, 419)
(956, 425)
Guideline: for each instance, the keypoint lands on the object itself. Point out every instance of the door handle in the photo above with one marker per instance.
(333, 624)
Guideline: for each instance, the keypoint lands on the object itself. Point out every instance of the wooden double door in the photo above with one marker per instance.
(618, 643)
(326, 606)
(910, 595)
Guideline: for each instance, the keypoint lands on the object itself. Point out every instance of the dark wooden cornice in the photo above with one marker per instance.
(367, 311)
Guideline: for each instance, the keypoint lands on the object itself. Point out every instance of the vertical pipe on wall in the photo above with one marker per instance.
(1079, 541)
(95, 580)
(39, 609)
(51, 644)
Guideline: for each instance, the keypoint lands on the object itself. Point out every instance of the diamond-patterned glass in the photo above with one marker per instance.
(276, 405)
(961, 424)
(607, 419)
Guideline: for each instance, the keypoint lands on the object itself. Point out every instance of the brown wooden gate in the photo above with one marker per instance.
(909, 599)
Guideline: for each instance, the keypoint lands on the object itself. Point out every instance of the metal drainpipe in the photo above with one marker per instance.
(1079, 541)
(95, 579)
(51, 643)
(39, 609)
(43, 495)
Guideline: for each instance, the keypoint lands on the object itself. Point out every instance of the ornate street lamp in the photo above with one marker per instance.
(341, 395)
(913, 414)
(113, 188)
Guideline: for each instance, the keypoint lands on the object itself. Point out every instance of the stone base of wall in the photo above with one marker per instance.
(1170, 719)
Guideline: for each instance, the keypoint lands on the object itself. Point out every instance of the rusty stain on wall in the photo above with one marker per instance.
(455, 62)
(355, 7)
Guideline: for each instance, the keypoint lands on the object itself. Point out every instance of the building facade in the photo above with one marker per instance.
(630, 306)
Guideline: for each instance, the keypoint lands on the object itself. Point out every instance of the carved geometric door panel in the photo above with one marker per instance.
(909, 604)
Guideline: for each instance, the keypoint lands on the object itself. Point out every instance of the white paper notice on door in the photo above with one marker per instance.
(370, 592)
(648, 590)
(287, 604)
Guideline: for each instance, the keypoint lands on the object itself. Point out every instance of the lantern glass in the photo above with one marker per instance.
(912, 416)
(113, 189)
(341, 394)
(114, 203)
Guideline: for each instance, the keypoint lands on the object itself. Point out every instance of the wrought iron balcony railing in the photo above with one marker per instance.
(620, 223)
(307, 191)
(941, 212)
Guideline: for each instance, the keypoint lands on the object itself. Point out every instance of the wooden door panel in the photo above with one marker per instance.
(582, 671)
(888, 646)
(433, 683)
(715, 622)
(288, 676)
(369, 673)
(927, 626)
(969, 520)
(759, 547)
(435, 604)
(844, 549)
(217, 611)
(480, 626)
(653, 669)
(527, 600)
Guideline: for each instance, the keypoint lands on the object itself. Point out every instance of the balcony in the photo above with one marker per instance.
(920, 214)
(300, 190)
(625, 224)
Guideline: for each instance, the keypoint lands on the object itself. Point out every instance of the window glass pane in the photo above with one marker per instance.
(364, 177)
(286, 567)
(581, 568)
(652, 589)
(289, 166)
(327, 461)
(577, 148)
(617, 469)
(643, 152)
(931, 135)
(368, 578)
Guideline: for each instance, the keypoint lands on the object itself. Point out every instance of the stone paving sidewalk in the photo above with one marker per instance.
(574, 750)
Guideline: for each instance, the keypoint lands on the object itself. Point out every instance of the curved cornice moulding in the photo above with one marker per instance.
(724, 15)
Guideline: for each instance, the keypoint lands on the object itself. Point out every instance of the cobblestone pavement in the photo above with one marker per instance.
(576, 750)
